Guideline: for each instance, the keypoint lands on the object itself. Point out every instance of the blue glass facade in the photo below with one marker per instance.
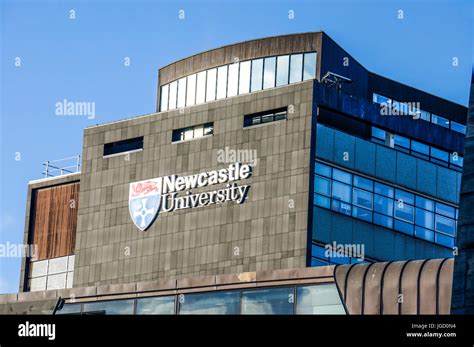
(388, 182)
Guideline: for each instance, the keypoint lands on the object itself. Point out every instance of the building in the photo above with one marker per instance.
(264, 159)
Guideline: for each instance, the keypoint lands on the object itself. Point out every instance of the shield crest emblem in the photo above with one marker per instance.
(144, 202)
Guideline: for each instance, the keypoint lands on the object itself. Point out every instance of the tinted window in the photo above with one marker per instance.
(123, 146)
(268, 301)
(319, 299)
(209, 303)
(109, 307)
(156, 305)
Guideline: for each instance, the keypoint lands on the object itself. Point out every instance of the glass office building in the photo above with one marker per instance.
(277, 154)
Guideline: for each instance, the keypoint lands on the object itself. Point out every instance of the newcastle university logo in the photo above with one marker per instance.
(144, 202)
(148, 197)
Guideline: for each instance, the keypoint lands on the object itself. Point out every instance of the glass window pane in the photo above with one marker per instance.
(458, 127)
(296, 68)
(244, 77)
(383, 205)
(438, 120)
(322, 186)
(209, 303)
(427, 204)
(402, 142)
(424, 218)
(404, 227)
(309, 71)
(445, 210)
(173, 95)
(420, 147)
(38, 283)
(201, 87)
(109, 307)
(383, 220)
(378, 133)
(282, 70)
(456, 159)
(362, 213)
(156, 305)
(182, 92)
(191, 91)
(341, 207)
(39, 268)
(404, 211)
(424, 233)
(57, 281)
(211, 84)
(439, 154)
(445, 225)
(57, 265)
(322, 169)
(268, 301)
(341, 191)
(70, 309)
(257, 75)
(221, 82)
(364, 183)
(380, 99)
(362, 198)
(383, 189)
(342, 176)
(318, 299)
(233, 79)
(445, 240)
(404, 197)
(269, 73)
(322, 201)
(164, 98)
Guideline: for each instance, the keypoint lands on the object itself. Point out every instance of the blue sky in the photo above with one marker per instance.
(82, 59)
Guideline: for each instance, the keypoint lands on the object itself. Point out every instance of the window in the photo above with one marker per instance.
(221, 82)
(282, 70)
(109, 307)
(191, 91)
(244, 77)
(458, 127)
(319, 299)
(233, 80)
(182, 92)
(377, 203)
(201, 87)
(322, 186)
(269, 73)
(55, 273)
(211, 85)
(123, 146)
(173, 95)
(309, 71)
(441, 121)
(265, 117)
(420, 148)
(296, 68)
(268, 301)
(164, 97)
(70, 309)
(237, 78)
(378, 134)
(209, 303)
(194, 132)
(257, 75)
(439, 154)
(156, 305)
(402, 143)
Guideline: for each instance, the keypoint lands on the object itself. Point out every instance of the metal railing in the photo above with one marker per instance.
(58, 167)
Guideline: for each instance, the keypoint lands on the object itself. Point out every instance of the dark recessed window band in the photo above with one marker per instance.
(265, 117)
(123, 146)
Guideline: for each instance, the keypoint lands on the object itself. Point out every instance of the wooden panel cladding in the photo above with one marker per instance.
(294, 43)
(54, 220)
